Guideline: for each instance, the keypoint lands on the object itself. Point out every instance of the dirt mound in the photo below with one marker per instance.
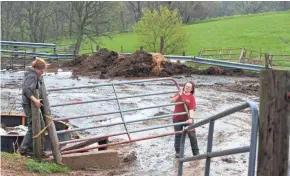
(94, 64)
(215, 70)
(107, 63)
(138, 64)
(170, 69)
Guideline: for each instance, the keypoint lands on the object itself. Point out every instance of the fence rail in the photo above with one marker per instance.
(28, 44)
(221, 63)
(37, 54)
(253, 141)
(16, 51)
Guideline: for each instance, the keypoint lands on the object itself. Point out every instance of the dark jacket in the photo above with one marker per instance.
(30, 83)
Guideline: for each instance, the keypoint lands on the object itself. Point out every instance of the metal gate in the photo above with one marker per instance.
(210, 154)
(121, 111)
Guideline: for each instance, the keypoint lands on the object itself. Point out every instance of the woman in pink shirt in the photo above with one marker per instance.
(185, 95)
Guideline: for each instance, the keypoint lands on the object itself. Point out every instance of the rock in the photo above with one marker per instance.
(130, 157)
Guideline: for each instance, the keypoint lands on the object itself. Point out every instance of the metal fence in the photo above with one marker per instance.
(16, 51)
(229, 54)
(38, 54)
(121, 111)
(209, 153)
(221, 63)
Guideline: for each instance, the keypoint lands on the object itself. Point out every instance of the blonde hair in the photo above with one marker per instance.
(39, 64)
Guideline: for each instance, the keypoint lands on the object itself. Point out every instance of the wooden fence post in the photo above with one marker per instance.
(183, 53)
(273, 121)
(242, 56)
(267, 61)
(200, 53)
(161, 45)
(36, 127)
(51, 127)
(141, 48)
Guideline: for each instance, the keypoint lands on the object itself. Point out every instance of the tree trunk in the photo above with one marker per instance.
(70, 21)
(123, 23)
(78, 44)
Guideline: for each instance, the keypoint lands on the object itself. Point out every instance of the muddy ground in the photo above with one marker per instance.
(155, 156)
(215, 92)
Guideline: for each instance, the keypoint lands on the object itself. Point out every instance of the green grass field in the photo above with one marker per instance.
(256, 32)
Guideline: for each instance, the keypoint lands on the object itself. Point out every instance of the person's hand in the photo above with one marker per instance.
(37, 103)
(189, 121)
(180, 92)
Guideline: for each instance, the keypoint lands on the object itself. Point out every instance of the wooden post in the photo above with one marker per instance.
(36, 127)
(242, 55)
(98, 48)
(54, 53)
(274, 117)
(200, 53)
(141, 48)
(51, 128)
(267, 61)
(183, 53)
(161, 45)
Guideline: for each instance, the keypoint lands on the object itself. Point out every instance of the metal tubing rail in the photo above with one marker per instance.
(118, 83)
(44, 55)
(217, 154)
(119, 123)
(209, 154)
(221, 63)
(28, 44)
(200, 60)
(122, 133)
(115, 112)
(121, 113)
(107, 99)
(118, 143)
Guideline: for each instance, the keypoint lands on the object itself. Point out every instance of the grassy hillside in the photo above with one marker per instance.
(259, 31)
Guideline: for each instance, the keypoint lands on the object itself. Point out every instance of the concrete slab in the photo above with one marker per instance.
(96, 159)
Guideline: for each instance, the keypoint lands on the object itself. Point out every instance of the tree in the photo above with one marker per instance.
(35, 19)
(136, 8)
(89, 18)
(246, 7)
(162, 23)
(10, 18)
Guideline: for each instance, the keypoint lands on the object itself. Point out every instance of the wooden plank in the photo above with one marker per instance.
(36, 127)
(274, 117)
(51, 128)
(82, 144)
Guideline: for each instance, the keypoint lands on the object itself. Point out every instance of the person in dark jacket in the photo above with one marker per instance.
(30, 83)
